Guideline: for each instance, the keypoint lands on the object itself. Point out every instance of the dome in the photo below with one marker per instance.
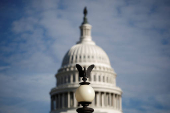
(86, 53)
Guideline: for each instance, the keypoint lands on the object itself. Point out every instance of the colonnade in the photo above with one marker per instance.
(63, 100)
(107, 99)
(102, 99)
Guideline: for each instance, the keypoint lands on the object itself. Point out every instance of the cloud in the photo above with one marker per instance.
(134, 34)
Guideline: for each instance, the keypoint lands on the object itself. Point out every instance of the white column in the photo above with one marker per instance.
(93, 103)
(75, 101)
(71, 78)
(120, 102)
(102, 99)
(76, 77)
(68, 100)
(51, 103)
(105, 99)
(63, 100)
(98, 99)
(56, 99)
(114, 101)
(110, 100)
(59, 103)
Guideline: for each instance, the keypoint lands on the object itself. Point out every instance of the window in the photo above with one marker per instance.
(65, 79)
(94, 77)
(103, 79)
(74, 78)
(69, 79)
(99, 78)
(61, 82)
(72, 58)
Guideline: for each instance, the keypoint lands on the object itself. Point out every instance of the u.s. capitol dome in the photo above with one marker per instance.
(108, 97)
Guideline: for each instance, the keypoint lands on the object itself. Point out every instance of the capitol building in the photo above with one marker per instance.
(108, 97)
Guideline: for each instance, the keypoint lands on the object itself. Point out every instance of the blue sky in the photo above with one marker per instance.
(35, 35)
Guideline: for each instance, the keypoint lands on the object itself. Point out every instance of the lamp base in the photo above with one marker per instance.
(85, 109)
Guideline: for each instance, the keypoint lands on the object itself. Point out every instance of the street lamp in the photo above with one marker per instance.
(85, 93)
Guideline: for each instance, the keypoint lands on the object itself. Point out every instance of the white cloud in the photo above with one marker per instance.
(131, 32)
(28, 87)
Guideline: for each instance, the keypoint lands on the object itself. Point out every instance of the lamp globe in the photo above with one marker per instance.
(85, 93)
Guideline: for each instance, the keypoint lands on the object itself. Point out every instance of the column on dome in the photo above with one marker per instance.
(68, 99)
(120, 102)
(114, 101)
(95, 98)
(101, 99)
(59, 101)
(105, 100)
(76, 77)
(110, 100)
(93, 102)
(54, 102)
(75, 101)
(56, 99)
(51, 103)
(71, 99)
(117, 101)
(98, 99)
(102, 95)
(63, 95)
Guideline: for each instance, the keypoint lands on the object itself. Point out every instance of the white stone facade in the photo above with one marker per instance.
(103, 78)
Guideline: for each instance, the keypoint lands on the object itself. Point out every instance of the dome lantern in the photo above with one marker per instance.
(85, 31)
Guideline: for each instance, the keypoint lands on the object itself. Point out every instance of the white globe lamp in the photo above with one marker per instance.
(85, 93)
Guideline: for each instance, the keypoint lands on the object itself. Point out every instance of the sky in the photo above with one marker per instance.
(36, 34)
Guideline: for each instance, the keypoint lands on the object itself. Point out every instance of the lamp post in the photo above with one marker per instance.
(84, 93)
